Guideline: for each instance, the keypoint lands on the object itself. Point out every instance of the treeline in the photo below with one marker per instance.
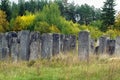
(58, 16)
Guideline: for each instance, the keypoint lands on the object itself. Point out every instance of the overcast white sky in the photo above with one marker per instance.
(96, 3)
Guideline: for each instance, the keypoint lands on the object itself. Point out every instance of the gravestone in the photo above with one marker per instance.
(73, 43)
(15, 49)
(9, 37)
(1, 35)
(66, 43)
(34, 45)
(5, 49)
(24, 37)
(62, 36)
(117, 46)
(110, 49)
(102, 45)
(83, 45)
(56, 44)
(46, 45)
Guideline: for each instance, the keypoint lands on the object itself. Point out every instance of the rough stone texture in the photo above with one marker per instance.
(5, 49)
(9, 37)
(66, 43)
(61, 42)
(15, 49)
(56, 44)
(72, 42)
(92, 46)
(34, 45)
(102, 45)
(24, 38)
(117, 48)
(46, 45)
(1, 35)
(83, 45)
(110, 46)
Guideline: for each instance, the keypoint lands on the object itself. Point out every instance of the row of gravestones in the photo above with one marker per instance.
(86, 45)
(26, 45)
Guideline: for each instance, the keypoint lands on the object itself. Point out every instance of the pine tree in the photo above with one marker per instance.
(108, 14)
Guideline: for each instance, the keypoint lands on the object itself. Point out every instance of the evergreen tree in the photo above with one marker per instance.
(21, 4)
(5, 6)
(108, 14)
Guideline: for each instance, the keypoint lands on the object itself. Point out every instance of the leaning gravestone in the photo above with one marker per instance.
(102, 45)
(24, 37)
(46, 45)
(117, 46)
(56, 44)
(34, 45)
(83, 45)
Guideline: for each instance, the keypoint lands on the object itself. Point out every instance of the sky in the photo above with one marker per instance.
(96, 3)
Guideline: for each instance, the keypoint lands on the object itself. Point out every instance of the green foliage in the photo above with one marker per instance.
(5, 6)
(23, 22)
(117, 22)
(94, 31)
(43, 27)
(3, 22)
(50, 15)
(113, 33)
(65, 67)
(96, 24)
(108, 14)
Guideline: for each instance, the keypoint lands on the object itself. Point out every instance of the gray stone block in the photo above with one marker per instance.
(56, 44)
(46, 45)
(83, 45)
(24, 38)
(102, 45)
(35, 45)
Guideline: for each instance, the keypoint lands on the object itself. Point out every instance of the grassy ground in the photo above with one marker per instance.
(62, 67)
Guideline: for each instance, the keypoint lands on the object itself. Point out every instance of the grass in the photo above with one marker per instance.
(62, 67)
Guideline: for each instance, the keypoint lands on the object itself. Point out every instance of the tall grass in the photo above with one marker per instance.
(62, 67)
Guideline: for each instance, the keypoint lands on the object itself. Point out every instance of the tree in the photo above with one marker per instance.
(108, 14)
(5, 6)
(3, 22)
(21, 4)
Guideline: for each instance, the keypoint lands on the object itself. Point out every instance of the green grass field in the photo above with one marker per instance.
(62, 67)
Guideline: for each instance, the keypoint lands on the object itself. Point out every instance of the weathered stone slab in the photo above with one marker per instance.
(66, 43)
(102, 45)
(46, 45)
(61, 42)
(35, 45)
(72, 42)
(9, 37)
(15, 49)
(56, 44)
(117, 46)
(5, 49)
(24, 37)
(110, 47)
(1, 35)
(83, 45)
